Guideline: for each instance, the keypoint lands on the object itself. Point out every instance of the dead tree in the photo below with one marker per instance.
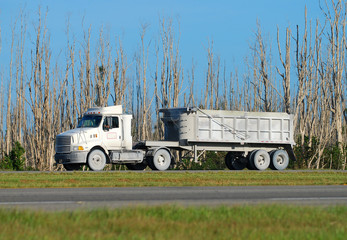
(286, 65)
(336, 17)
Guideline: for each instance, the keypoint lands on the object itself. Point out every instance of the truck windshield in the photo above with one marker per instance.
(89, 121)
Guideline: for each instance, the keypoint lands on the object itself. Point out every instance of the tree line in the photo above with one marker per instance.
(45, 97)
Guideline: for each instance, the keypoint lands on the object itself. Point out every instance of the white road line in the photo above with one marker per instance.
(44, 202)
(307, 198)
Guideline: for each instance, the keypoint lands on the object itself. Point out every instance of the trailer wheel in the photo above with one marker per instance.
(96, 160)
(260, 160)
(240, 163)
(136, 167)
(228, 160)
(279, 160)
(250, 164)
(161, 160)
(235, 162)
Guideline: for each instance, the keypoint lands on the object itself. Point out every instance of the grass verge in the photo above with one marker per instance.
(165, 179)
(174, 222)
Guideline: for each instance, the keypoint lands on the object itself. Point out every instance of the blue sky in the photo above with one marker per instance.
(230, 24)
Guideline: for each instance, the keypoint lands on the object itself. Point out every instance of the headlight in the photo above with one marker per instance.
(78, 148)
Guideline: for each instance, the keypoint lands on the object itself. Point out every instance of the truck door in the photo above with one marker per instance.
(112, 133)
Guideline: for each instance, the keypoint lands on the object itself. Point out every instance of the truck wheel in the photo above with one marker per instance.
(250, 164)
(239, 163)
(96, 160)
(149, 161)
(279, 160)
(235, 162)
(72, 167)
(161, 160)
(228, 160)
(137, 167)
(260, 160)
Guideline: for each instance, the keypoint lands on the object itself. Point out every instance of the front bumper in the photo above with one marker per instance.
(69, 158)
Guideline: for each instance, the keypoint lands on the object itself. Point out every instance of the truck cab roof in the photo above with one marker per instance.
(105, 110)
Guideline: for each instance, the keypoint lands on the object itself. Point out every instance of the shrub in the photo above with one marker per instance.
(15, 159)
(210, 161)
(331, 158)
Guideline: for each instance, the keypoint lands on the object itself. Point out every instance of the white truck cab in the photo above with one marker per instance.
(103, 134)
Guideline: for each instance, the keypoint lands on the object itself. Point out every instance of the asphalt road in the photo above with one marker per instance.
(88, 198)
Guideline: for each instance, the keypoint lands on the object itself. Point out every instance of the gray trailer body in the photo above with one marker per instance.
(194, 129)
(195, 125)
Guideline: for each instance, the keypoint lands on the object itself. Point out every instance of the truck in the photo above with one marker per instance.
(256, 140)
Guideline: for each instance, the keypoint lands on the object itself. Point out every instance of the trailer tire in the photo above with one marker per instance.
(260, 159)
(279, 160)
(161, 160)
(240, 163)
(96, 160)
(228, 160)
(235, 162)
(250, 164)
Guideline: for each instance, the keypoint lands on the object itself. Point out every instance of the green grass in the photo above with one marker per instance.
(171, 221)
(174, 222)
(146, 179)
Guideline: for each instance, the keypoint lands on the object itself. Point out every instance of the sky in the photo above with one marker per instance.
(230, 24)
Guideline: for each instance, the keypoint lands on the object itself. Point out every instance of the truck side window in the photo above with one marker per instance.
(115, 122)
(107, 124)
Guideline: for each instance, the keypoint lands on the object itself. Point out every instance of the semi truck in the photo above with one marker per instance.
(256, 140)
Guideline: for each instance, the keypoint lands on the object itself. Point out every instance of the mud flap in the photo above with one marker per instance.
(290, 152)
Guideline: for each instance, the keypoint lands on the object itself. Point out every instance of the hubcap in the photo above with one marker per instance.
(97, 160)
(280, 160)
(161, 160)
(261, 160)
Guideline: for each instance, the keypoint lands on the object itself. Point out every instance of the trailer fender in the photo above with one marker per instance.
(290, 151)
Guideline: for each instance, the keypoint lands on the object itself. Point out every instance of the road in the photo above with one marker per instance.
(88, 198)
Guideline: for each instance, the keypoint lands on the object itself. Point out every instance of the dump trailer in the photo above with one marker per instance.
(256, 140)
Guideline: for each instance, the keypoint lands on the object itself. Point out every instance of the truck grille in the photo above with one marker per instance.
(62, 144)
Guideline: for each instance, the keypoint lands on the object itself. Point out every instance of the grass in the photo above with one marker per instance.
(146, 179)
(174, 222)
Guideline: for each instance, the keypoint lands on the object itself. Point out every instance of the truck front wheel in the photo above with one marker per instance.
(96, 160)
(161, 160)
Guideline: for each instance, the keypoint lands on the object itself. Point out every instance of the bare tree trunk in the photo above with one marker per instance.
(2, 147)
(119, 77)
(336, 18)
(303, 79)
(264, 75)
(8, 115)
(144, 105)
(286, 65)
